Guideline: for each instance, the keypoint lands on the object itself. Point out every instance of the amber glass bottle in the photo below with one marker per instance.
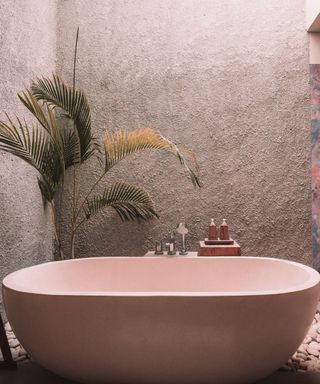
(224, 230)
(213, 233)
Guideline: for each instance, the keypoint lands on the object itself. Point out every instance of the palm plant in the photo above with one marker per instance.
(51, 148)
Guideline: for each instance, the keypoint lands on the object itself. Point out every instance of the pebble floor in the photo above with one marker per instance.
(306, 358)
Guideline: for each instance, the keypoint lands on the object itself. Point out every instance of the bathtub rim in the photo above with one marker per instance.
(313, 280)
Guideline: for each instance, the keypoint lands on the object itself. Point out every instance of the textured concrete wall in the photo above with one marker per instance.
(228, 79)
(27, 49)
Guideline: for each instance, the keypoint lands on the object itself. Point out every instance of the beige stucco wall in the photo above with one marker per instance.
(237, 96)
(27, 49)
(228, 79)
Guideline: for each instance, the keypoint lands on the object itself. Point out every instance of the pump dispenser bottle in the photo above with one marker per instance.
(224, 230)
(213, 233)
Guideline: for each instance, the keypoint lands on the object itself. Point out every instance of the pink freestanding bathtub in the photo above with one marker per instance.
(159, 320)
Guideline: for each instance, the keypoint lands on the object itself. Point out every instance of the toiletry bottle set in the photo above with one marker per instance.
(223, 233)
(219, 242)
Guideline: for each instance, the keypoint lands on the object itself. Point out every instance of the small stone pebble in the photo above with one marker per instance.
(302, 348)
(307, 340)
(22, 352)
(14, 353)
(13, 343)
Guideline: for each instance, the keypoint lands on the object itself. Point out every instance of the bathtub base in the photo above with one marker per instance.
(32, 373)
(210, 320)
(160, 340)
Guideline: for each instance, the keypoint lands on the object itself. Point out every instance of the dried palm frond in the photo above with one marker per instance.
(120, 144)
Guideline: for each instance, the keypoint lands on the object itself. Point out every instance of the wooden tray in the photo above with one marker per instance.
(218, 242)
(219, 250)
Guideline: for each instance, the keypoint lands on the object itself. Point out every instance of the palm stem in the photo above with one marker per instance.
(79, 224)
(60, 202)
(72, 243)
(75, 60)
(88, 195)
(75, 173)
(56, 230)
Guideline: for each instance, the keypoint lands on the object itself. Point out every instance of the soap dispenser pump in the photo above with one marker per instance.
(213, 233)
(224, 230)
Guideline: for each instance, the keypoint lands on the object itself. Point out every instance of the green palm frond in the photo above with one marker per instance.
(121, 144)
(32, 104)
(129, 201)
(70, 147)
(48, 187)
(75, 106)
(37, 149)
(48, 121)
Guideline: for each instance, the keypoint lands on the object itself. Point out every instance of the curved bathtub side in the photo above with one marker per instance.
(161, 339)
(221, 276)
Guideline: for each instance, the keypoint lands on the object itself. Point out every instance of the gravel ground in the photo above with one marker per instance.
(17, 351)
(306, 358)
